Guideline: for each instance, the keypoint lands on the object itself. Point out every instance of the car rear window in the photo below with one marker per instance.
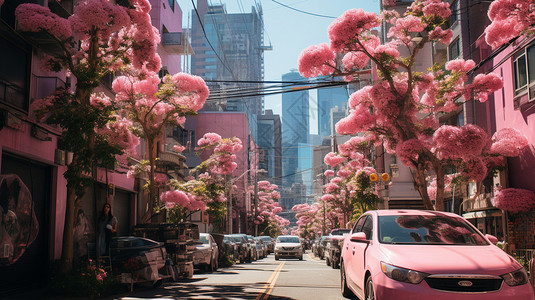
(433, 230)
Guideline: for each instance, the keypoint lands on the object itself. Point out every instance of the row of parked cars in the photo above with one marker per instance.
(240, 247)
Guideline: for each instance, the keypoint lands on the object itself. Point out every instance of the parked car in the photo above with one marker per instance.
(320, 247)
(288, 246)
(333, 248)
(242, 247)
(206, 253)
(413, 254)
(142, 258)
(270, 243)
(261, 248)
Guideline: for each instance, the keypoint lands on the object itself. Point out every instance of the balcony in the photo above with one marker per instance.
(171, 163)
(481, 202)
(176, 43)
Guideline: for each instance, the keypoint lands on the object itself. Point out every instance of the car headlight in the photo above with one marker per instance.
(518, 277)
(402, 274)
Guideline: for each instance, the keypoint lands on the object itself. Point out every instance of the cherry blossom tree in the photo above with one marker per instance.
(266, 216)
(351, 192)
(97, 39)
(309, 225)
(206, 192)
(400, 110)
(152, 104)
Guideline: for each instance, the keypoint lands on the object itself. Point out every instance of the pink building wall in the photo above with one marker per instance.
(162, 15)
(501, 113)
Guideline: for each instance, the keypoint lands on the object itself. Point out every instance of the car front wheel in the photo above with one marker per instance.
(370, 292)
(346, 292)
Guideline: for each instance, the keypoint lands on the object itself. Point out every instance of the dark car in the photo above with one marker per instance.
(241, 247)
(270, 243)
(333, 248)
(320, 247)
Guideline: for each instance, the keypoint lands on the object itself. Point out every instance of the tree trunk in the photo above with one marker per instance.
(67, 251)
(152, 193)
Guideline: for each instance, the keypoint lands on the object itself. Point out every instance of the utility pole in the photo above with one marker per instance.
(255, 204)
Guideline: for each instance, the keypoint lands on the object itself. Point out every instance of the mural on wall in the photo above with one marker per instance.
(83, 232)
(18, 223)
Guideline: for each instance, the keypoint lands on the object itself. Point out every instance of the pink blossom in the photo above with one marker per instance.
(355, 60)
(316, 60)
(175, 197)
(192, 90)
(327, 197)
(408, 151)
(349, 25)
(403, 26)
(332, 159)
(99, 99)
(179, 148)
(474, 169)
(436, 7)
(460, 142)
(360, 119)
(510, 18)
(443, 36)
(329, 173)
(484, 85)
(514, 200)
(460, 65)
(37, 18)
(508, 142)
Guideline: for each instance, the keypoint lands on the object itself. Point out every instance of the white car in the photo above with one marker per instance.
(206, 253)
(288, 246)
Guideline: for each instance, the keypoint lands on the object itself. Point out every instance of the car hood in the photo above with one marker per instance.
(435, 259)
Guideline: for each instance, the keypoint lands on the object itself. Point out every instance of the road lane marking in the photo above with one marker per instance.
(270, 284)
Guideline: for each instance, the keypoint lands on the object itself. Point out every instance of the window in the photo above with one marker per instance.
(524, 70)
(454, 49)
(367, 228)
(454, 13)
(358, 225)
(15, 71)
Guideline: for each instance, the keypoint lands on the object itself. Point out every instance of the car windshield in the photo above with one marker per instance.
(433, 230)
(266, 238)
(203, 239)
(287, 239)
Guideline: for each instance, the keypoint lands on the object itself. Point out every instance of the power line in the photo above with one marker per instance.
(304, 12)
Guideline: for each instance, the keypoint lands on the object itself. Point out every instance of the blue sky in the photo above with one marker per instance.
(288, 30)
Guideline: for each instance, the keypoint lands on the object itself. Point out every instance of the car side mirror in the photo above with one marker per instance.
(358, 237)
(492, 238)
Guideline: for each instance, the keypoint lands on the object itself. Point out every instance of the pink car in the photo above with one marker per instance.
(427, 255)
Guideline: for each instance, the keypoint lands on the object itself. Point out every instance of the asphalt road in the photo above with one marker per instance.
(260, 280)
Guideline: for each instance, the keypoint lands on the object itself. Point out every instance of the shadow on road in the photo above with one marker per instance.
(200, 292)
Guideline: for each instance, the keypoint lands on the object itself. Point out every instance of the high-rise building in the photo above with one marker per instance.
(327, 99)
(270, 145)
(229, 55)
(295, 128)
